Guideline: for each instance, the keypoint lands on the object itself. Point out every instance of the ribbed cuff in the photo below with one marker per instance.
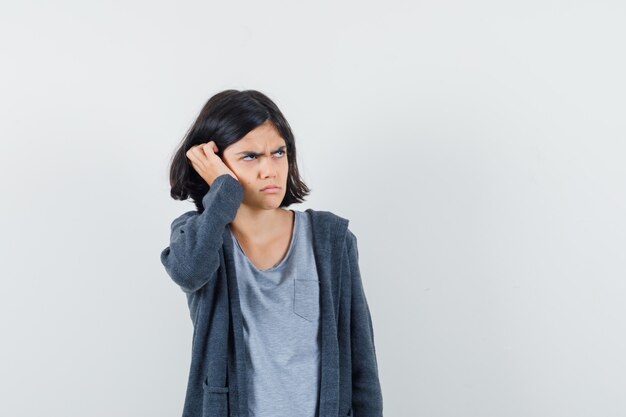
(231, 189)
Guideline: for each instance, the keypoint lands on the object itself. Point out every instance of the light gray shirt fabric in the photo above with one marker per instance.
(281, 326)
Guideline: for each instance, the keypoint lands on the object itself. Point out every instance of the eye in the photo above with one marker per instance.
(254, 156)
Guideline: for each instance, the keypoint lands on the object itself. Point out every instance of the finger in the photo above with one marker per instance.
(207, 148)
(197, 153)
(212, 145)
(195, 156)
(191, 151)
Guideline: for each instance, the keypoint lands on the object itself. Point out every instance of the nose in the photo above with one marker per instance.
(267, 168)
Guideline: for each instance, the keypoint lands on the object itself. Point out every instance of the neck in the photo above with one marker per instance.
(258, 226)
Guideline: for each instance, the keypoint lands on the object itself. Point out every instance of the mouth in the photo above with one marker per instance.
(270, 187)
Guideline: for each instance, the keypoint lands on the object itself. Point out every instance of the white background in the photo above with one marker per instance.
(476, 147)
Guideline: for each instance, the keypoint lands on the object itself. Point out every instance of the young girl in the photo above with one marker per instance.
(281, 323)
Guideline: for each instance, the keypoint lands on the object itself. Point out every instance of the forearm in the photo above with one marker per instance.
(193, 254)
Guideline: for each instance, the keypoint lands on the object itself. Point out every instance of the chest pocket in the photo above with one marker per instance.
(306, 298)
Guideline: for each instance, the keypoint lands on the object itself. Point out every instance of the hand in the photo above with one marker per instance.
(207, 163)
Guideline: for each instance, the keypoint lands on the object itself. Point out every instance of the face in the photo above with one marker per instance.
(259, 159)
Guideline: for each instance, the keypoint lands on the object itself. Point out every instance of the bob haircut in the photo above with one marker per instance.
(226, 118)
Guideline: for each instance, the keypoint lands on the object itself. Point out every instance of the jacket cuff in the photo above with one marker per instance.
(228, 187)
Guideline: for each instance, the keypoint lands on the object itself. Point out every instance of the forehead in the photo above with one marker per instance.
(261, 135)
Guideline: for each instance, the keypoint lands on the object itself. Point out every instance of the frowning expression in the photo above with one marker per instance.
(259, 160)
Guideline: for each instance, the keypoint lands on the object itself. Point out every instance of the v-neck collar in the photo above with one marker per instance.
(284, 259)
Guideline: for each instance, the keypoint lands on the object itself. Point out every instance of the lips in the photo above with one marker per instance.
(270, 187)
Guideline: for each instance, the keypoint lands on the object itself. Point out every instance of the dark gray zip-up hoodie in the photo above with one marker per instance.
(200, 260)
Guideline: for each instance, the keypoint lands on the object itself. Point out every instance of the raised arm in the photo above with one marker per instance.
(192, 257)
(367, 399)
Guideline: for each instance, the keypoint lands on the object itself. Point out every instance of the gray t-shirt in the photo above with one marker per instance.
(281, 313)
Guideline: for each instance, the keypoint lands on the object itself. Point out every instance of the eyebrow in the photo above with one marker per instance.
(282, 148)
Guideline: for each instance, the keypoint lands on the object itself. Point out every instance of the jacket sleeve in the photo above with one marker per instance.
(192, 256)
(367, 399)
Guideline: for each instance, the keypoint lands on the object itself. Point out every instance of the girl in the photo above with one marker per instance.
(281, 324)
